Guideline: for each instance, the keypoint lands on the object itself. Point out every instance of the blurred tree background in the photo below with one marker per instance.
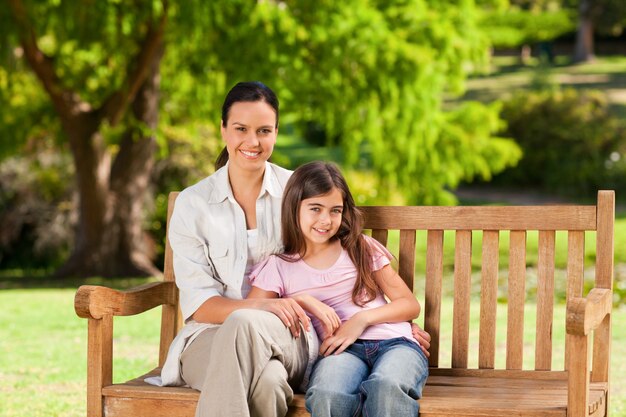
(109, 105)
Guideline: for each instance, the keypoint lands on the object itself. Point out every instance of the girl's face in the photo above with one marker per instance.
(250, 134)
(320, 217)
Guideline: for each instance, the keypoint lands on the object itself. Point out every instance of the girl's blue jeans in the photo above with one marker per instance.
(375, 378)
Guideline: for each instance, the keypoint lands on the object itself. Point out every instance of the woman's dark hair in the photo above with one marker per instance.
(248, 91)
(319, 178)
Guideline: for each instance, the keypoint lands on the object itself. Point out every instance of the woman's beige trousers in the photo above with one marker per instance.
(246, 367)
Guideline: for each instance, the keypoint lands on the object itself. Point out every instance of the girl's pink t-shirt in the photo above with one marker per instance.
(332, 286)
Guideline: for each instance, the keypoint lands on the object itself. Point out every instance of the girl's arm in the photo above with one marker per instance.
(403, 306)
(325, 314)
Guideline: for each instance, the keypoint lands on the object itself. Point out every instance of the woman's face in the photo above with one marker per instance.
(250, 134)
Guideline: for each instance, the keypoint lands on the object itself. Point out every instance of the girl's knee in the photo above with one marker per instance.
(321, 401)
(383, 386)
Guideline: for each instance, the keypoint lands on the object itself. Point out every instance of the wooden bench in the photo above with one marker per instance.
(485, 372)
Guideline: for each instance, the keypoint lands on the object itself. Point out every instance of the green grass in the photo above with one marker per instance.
(43, 347)
(43, 344)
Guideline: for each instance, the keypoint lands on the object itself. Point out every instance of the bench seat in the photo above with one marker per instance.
(471, 393)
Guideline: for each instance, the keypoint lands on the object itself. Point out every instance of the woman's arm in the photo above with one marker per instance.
(403, 306)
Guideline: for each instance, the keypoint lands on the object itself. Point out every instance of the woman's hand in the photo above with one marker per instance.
(422, 336)
(289, 311)
(347, 333)
(324, 313)
(286, 309)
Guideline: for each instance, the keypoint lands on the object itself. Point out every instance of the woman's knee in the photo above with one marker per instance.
(241, 316)
(274, 375)
(273, 382)
(247, 317)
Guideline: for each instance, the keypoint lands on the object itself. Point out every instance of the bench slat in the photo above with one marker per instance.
(406, 259)
(498, 401)
(488, 299)
(461, 310)
(171, 318)
(516, 294)
(481, 218)
(432, 296)
(380, 235)
(545, 301)
(575, 274)
(604, 279)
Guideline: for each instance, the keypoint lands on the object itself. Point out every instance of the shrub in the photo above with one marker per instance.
(572, 143)
(36, 210)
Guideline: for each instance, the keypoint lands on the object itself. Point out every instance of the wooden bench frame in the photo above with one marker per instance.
(580, 389)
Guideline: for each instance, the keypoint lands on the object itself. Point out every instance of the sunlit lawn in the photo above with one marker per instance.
(43, 351)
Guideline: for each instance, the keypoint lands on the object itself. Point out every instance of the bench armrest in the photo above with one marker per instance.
(93, 301)
(585, 314)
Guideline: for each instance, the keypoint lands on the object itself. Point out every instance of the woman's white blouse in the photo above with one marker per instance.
(207, 232)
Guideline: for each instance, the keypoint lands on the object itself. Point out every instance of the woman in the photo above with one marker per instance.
(244, 355)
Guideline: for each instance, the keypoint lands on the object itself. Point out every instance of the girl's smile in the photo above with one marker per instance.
(320, 218)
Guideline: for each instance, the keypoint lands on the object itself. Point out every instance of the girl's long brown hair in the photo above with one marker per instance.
(319, 178)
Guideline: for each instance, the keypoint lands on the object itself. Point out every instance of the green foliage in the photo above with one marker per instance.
(514, 27)
(92, 42)
(23, 101)
(608, 16)
(372, 74)
(571, 141)
(368, 73)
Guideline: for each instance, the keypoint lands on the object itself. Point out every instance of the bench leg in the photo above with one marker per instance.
(578, 384)
(99, 362)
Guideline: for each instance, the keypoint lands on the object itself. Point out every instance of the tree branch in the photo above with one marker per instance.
(40, 63)
(115, 105)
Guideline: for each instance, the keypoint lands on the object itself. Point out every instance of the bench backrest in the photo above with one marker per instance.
(417, 235)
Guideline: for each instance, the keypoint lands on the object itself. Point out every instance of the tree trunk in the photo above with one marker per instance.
(109, 237)
(130, 179)
(110, 240)
(584, 37)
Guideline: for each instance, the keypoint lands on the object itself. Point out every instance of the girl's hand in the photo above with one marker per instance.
(423, 337)
(324, 313)
(288, 310)
(347, 333)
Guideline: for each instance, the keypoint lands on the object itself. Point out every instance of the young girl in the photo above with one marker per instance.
(370, 363)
